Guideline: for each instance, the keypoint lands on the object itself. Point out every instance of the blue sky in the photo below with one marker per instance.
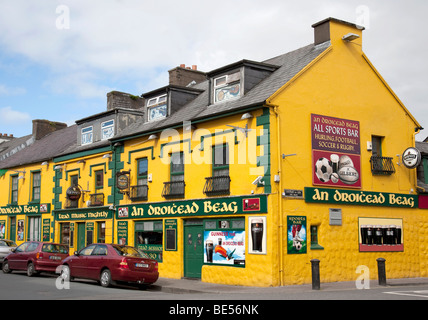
(59, 59)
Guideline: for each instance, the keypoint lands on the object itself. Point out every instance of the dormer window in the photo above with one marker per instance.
(227, 87)
(157, 108)
(87, 135)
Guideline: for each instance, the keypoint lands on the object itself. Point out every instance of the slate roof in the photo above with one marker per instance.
(64, 141)
(42, 150)
(198, 109)
(9, 148)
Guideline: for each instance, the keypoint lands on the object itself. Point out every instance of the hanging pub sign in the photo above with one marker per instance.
(73, 193)
(122, 180)
(411, 157)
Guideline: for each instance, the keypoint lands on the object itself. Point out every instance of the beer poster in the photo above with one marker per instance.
(380, 234)
(296, 235)
(257, 235)
(224, 247)
(336, 159)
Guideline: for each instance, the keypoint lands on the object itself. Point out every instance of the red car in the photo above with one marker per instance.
(35, 256)
(108, 263)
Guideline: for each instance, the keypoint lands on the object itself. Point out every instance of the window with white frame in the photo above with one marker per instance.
(87, 135)
(157, 108)
(107, 129)
(227, 87)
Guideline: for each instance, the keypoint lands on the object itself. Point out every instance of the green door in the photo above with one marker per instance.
(80, 236)
(193, 250)
(12, 228)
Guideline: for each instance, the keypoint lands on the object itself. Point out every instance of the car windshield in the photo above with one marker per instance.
(7, 243)
(128, 251)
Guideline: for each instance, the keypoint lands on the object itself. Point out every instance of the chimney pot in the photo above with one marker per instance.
(182, 65)
(194, 67)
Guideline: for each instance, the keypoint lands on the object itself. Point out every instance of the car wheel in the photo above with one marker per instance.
(5, 267)
(105, 278)
(31, 270)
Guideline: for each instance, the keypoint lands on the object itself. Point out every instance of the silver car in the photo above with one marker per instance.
(5, 247)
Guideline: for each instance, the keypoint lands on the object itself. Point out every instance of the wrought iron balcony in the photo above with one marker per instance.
(382, 165)
(138, 193)
(96, 199)
(218, 185)
(173, 189)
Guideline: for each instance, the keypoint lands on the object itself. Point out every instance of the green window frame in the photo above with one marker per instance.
(14, 189)
(220, 157)
(177, 166)
(36, 186)
(99, 179)
(142, 171)
(314, 238)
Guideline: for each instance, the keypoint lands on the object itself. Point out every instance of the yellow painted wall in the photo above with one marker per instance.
(343, 84)
(25, 195)
(260, 270)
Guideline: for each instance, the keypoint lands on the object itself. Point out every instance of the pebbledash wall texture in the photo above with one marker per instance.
(241, 175)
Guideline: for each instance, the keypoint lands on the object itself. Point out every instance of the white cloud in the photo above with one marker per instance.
(8, 116)
(141, 40)
(11, 91)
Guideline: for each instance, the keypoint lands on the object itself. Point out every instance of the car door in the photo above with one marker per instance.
(96, 261)
(16, 257)
(78, 264)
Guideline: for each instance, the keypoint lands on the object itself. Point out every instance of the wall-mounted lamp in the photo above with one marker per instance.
(45, 163)
(58, 167)
(350, 37)
(151, 137)
(81, 161)
(106, 156)
(246, 116)
(21, 177)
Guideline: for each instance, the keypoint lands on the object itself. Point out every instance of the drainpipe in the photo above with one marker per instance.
(280, 217)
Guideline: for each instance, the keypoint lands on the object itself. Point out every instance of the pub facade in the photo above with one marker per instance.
(244, 174)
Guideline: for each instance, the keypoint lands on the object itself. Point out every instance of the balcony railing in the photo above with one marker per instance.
(219, 185)
(96, 199)
(138, 193)
(382, 165)
(173, 189)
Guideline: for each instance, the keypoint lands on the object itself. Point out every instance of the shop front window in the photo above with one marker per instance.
(148, 238)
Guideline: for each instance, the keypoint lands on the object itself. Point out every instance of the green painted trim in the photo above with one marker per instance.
(175, 142)
(217, 134)
(207, 119)
(96, 165)
(82, 154)
(425, 165)
(140, 150)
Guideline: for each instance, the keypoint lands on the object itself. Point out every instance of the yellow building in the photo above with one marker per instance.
(244, 174)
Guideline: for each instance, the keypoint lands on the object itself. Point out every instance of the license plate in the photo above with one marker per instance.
(141, 265)
(54, 258)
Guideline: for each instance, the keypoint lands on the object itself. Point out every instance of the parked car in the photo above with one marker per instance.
(5, 247)
(35, 256)
(111, 263)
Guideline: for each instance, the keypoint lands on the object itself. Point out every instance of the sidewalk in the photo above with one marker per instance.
(186, 286)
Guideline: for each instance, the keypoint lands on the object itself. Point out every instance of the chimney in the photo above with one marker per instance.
(117, 99)
(43, 127)
(183, 76)
(337, 31)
